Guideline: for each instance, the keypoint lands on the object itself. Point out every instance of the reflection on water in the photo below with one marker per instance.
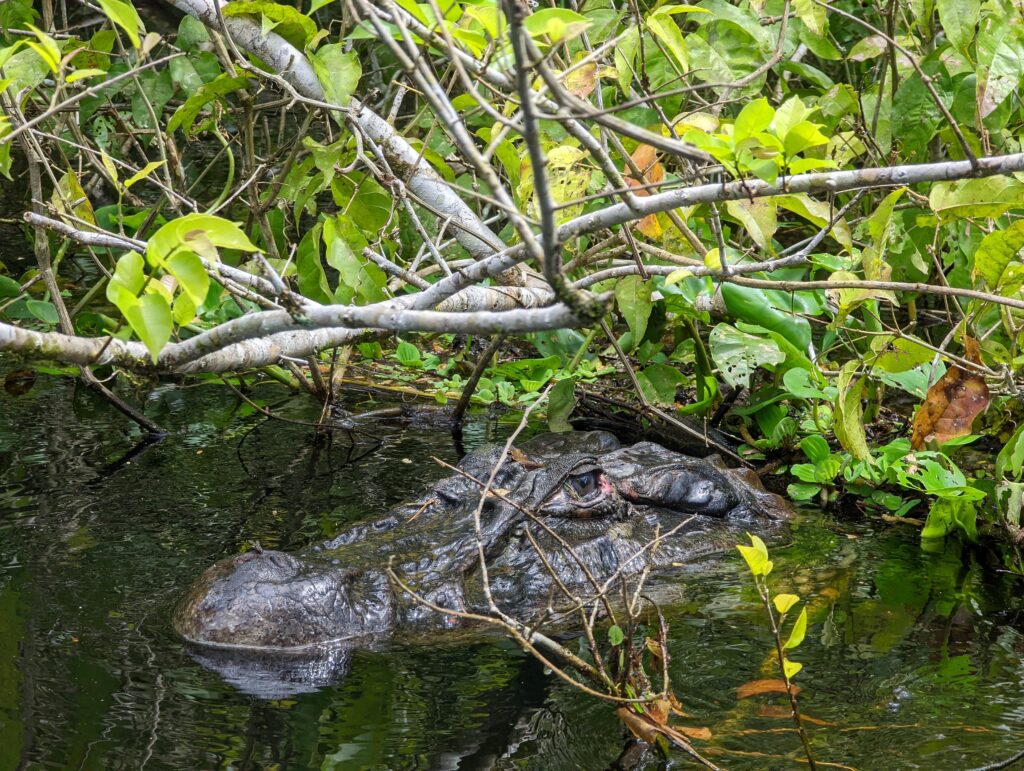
(913, 660)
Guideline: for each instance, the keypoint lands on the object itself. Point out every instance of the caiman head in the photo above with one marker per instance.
(587, 492)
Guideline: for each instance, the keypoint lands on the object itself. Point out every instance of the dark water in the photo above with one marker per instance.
(913, 659)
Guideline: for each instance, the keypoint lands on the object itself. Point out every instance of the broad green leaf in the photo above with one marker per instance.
(633, 296)
(9, 287)
(128, 279)
(183, 310)
(338, 72)
(790, 668)
(812, 15)
(561, 403)
(69, 193)
(150, 319)
(959, 18)
(988, 197)
(817, 212)
(1000, 66)
(815, 448)
(43, 310)
(556, 24)
(663, 26)
(625, 56)
(199, 233)
(759, 217)
(78, 75)
(659, 382)
(796, 636)
(754, 118)
(996, 251)
(739, 354)
(408, 354)
(190, 275)
(898, 354)
(124, 15)
(286, 20)
(783, 602)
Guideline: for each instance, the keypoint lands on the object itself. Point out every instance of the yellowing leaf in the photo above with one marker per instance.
(799, 630)
(791, 667)
(756, 556)
(783, 602)
(582, 80)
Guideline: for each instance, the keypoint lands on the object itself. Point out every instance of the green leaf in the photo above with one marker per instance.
(408, 354)
(42, 310)
(815, 448)
(1011, 457)
(633, 296)
(561, 403)
(285, 20)
(756, 556)
(959, 18)
(144, 172)
(150, 319)
(754, 118)
(659, 381)
(812, 15)
(309, 267)
(849, 424)
(199, 233)
(739, 354)
(124, 15)
(9, 287)
(46, 47)
(663, 26)
(615, 635)
(556, 24)
(790, 668)
(988, 197)
(338, 72)
(191, 276)
(127, 282)
(799, 631)
(783, 602)
(185, 116)
(996, 251)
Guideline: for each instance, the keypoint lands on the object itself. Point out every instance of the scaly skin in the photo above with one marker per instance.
(606, 502)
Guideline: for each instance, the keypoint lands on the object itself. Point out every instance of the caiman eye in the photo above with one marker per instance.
(582, 485)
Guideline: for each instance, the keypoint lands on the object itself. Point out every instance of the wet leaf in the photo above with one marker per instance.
(952, 403)
(757, 687)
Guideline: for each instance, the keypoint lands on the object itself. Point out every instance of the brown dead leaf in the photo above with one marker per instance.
(645, 158)
(19, 382)
(757, 687)
(638, 725)
(952, 404)
(582, 80)
(522, 458)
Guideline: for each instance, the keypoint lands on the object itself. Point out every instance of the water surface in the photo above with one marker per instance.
(913, 659)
